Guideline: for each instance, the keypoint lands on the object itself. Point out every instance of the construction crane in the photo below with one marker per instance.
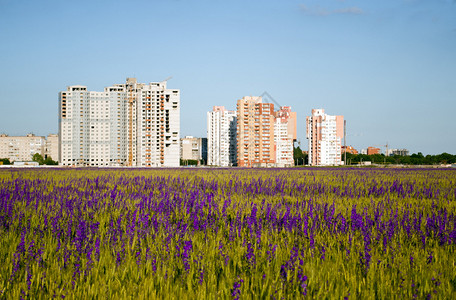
(167, 79)
(381, 146)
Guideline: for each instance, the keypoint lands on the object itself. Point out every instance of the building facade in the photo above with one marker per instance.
(400, 152)
(324, 134)
(284, 136)
(349, 149)
(52, 147)
(129, 124)
(193, 148)
(158, 125)
(221, 137)
(255, 133)
(93, 126)
(21, 148)
(373, 150)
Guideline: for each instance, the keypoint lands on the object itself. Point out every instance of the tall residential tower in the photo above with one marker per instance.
(255, 133)
(284, 136)
(221, 137)
(130, 124)
(325, 134)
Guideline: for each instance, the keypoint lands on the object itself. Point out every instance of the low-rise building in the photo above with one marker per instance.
(51, 149)
(373, 150)
(193, 148)
(21, 148)
(400, 152)
(349, 149)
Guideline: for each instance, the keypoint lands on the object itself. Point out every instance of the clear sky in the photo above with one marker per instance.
(389, 67)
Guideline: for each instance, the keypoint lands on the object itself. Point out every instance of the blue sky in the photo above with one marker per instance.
(387, 66)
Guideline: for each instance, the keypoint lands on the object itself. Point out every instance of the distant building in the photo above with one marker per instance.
(363, 151)
(51, 148)
(349, 149)
(255, 133)
(193, 148)
(26, 164)
(388, 152)
(21, 148)
(400, 152)
(324, 133)
(204, 150)
(284, 136)
(221, 137)
(373, 150)
(129, 124)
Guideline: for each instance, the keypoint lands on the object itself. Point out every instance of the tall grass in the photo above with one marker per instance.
(227, 233)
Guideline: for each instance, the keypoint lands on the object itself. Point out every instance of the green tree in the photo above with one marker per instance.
(38, 158)
(445, 158)
(299, 157)
(414, 159)
(48, 161)
(189, 162)
(5, 161)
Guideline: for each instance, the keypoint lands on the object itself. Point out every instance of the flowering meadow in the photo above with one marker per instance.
(228, 233)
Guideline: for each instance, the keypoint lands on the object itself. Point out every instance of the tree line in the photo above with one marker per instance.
(301, 158)
(414, 159)
(36, 157)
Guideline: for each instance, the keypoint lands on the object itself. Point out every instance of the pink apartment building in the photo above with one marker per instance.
(264, 137)
(255, 133)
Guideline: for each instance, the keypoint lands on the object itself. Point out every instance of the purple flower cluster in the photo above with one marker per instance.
(235, 291)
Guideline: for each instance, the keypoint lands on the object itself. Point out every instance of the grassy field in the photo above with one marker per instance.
(228, 233)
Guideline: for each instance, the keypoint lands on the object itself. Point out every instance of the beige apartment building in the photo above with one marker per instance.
(193, 148)
(51, 148)
(21, 148)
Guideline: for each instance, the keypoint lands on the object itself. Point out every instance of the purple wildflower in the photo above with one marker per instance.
(236, 292)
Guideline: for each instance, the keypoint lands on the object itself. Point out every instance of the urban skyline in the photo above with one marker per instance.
(386, 66)
(137, 124)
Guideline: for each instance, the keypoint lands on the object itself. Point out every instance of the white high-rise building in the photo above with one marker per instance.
(221, 137)
(93, 126)
(325, 134)
(284, 136)
(157, 124)
(131, 124)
